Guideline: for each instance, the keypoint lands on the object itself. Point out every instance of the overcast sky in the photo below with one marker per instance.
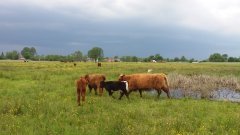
(172, 28)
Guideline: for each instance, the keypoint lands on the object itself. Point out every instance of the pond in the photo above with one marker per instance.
(221, 94)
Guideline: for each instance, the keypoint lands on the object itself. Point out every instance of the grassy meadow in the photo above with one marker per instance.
(40, 98)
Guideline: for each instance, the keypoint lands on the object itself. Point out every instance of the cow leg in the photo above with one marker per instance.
(95, 89)
(83, 94)
(121, 94)
(140, 92)
(159, 93)
(100, 91)
(90, 88)
(78, 96)
(166, 90)
(111, 94)
(125, 92)
(129, 92)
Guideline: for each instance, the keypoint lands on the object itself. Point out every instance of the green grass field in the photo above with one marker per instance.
(40, 98)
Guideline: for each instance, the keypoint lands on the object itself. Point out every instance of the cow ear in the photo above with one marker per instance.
(122, 75)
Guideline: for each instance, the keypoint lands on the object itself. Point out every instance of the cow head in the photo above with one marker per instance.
(83, 81)
(87, 77)
(121, 77)
(102, 84)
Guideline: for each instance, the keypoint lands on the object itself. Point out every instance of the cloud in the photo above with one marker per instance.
(194, 28)
(215, 16)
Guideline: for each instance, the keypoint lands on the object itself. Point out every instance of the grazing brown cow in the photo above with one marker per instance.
(75, 64)
(94, 82)
(81, 85)
(99, 64)
(146, 82)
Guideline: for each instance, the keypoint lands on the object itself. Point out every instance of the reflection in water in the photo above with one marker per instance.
(226, 94)
(222, 94)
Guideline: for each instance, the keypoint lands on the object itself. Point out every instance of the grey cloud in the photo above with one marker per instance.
(57, 33)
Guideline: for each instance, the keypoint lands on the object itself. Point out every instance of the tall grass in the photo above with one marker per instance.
(40, 98)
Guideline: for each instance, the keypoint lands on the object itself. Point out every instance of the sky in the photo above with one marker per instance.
(173, 28)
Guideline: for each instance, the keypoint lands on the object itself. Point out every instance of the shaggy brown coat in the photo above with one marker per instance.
(146, 82)
(94, 82)
(81, 85)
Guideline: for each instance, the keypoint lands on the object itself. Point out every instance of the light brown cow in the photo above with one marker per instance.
(146, 82)
(81, 85)
(94, 82)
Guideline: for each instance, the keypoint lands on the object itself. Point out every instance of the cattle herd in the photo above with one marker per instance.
(125, 83)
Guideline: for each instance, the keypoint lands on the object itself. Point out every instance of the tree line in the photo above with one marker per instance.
(96, 54)
(30, 53)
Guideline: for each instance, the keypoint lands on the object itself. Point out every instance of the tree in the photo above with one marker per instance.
(84, 58)
(129, 58)
(13, 55)
(134, 59)
(77, 56)
(225, 57)
(183, 58)
(28, 53)
(95, 53)
(55, 58)
(216, 57)
(33, 51)
(192, 60)
(233, 59)
(158, 57)
(2, 56)
(176, 59)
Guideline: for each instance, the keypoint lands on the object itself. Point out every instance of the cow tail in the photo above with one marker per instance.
(166, 81)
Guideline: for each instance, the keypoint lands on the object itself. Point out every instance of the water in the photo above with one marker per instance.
(222, 94)
(226, 94)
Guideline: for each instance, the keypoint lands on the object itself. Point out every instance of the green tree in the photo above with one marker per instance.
(233, 59)
(77, 56)
(151, 57)
(96, 53)
(55, 58)
(134, 59)
(176, 59)
(33, 51)
(183, 58)
(2, 56)
(84, 58)
(225, 57)
(13, 55)
(129, 58)
(158, 57)
(192, 60)
(29, 53)
(216, 57)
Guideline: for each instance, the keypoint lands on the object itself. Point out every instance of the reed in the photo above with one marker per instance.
(203, 84)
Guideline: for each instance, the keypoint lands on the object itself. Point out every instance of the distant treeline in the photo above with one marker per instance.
(96, 54)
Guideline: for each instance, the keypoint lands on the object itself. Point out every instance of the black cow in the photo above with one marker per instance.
(111, 86)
